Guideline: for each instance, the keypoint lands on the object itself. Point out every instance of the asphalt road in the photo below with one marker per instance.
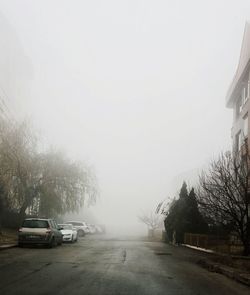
(102, 265)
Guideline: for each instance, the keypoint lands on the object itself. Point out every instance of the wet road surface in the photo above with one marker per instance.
(102, 265)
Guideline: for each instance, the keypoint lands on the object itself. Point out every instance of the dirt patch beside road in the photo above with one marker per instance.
(8, 236)
(238, 262)
(234, 267)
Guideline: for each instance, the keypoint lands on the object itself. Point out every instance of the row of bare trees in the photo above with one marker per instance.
(221, 200)
(38, 182)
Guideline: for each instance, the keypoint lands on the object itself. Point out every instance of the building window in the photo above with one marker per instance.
(248, 91)
(238, 106)
(245, 126)
(244, 95)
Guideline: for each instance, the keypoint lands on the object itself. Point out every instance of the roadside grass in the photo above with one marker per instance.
(8, 236)
(239, 262)
(228, 255)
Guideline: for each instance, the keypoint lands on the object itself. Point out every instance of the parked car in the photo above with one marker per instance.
(69, 232)
(39, 231)
(100, 228)
(92, 228)
(81, 227)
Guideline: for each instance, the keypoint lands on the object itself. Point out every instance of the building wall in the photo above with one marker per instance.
(239, 117)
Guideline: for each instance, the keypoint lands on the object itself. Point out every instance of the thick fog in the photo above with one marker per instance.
(134, 88)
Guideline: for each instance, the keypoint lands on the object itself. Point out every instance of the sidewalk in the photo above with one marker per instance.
(7, 246)
(233, 267)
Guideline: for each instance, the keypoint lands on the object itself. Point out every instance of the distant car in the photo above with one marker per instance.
(92, 228)
(80, 226)
(100, 228)
(69, 232)
(39, 231)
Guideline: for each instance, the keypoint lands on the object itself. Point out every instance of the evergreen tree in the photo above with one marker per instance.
(196, 222)
(184, 216)
(183, 192)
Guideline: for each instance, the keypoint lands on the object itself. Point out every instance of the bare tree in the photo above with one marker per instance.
(64, 185)
(152, 220)
(5, 170)
(224, 193)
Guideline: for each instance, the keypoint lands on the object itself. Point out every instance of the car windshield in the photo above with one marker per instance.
(75, 223)
(36, 223)
(66, 226)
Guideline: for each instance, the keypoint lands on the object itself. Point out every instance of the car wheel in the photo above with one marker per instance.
(20, 245)
(52, 243)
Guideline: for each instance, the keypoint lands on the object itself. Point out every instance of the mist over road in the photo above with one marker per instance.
(109, 265)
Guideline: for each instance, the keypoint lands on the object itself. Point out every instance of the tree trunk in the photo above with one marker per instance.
(246, 247)
(28, 201)
(1, 214)
(22, 213)
(151, 233)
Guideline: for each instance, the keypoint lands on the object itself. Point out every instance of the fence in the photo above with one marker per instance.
(226, 244)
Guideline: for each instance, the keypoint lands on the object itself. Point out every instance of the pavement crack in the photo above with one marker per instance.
(162, 253)
(124, 256)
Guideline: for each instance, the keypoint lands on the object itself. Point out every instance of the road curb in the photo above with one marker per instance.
(229, 272)
(7, 246)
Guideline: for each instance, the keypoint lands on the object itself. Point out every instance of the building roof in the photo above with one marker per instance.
(244, 61)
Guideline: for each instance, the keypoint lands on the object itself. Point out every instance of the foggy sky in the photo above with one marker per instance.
(134, 88)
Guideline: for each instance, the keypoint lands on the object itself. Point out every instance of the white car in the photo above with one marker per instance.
(69, 232)
(80, 226)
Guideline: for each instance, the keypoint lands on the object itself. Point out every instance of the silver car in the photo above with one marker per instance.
(39, 231)
(81, 227)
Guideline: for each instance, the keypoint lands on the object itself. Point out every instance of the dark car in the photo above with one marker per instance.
(39, 231)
